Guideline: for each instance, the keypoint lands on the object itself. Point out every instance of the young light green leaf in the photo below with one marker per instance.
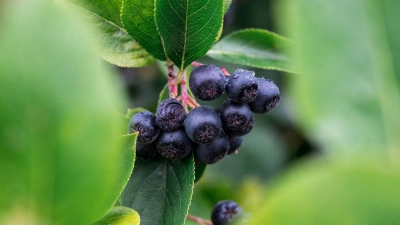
(188, 28)
(332, 192)
(138, 19)
(59, 133)
(253, 47)
(160, 190)
(117, 46)
(349, 96)
(164, 94)
(120, 215)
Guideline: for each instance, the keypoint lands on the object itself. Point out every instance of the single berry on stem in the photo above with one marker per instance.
(213, 152)
(242, 86)
(203, 125)
(145, 124)
(268, 97)
(225, 213)
(170, 114)
(174, 144)
(207, 82)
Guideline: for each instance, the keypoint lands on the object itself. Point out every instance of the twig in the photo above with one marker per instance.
(198, 220)
(173, 88)
(187, 100)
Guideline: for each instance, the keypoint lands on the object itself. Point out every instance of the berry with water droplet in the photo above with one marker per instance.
(268, 97)
(242, 86)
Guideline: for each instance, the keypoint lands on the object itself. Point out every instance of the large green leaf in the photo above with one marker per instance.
(160, 190)
(348, 96)
(188, 28)
(253, 47)
(59, 146)
(138, 17)
(120, 215)
(357, 192)
(117, 46)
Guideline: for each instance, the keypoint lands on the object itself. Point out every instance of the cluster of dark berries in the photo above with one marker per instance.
(225, 213)
(210, 133)
(163, 133)
(219, 132)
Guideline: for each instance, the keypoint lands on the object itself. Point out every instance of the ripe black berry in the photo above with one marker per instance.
(213, 152)
(145, 151)
(234, 143)
(242, 86)
(207, 82)
(145, 123)
(225, 212)
(203, 125)
(234, 115)
(170, 115)
(268, 97)
(242, 130)
(174, 144)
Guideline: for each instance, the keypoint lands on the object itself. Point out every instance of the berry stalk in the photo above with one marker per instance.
(198, 220)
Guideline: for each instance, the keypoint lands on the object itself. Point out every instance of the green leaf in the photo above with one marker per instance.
(360, 192)
(348, 97)
(59, 129)
(164, 94)
(253, 47)
(117, 46)
(227, 3)
(160, 190)
(120, 215)
(188, 28)
(132, 111)
(139, 20)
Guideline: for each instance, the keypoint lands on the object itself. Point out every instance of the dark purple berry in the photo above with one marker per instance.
(242, 86)
(170, 114)
(234, 115)
(174, 144)
(225, 213)
(145, 123)
(207, 82)
(203, 125)
(268, 97)
(242, 130)
(145, 151)
(213, 152)
(234, 143)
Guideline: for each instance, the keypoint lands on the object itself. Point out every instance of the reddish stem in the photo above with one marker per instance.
(173, 88)
(187, 100)
(198, 220)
